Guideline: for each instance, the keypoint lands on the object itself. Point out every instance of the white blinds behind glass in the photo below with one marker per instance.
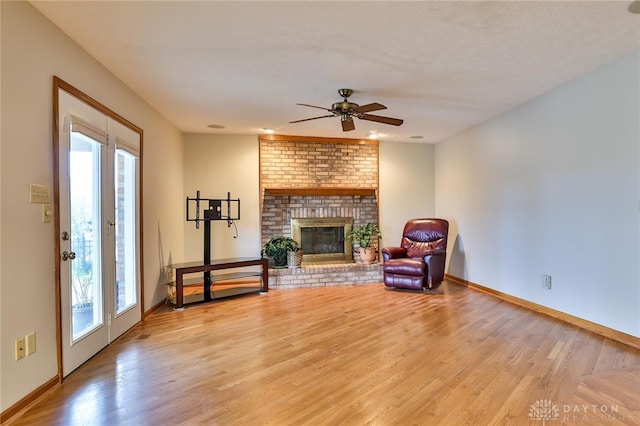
(125, 139)
(80, 126)
(127, 147)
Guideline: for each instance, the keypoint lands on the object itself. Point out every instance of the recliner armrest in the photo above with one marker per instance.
(434, 252)
(434, 261)
(393, 253)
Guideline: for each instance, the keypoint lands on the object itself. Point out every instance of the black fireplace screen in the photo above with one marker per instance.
(322, 240)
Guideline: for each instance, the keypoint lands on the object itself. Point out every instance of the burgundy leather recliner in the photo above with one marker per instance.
(418, 264)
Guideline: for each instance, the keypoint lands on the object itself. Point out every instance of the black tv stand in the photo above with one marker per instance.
(215, 265)
(209, 210)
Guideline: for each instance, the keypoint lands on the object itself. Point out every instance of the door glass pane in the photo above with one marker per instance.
(126, 274)
(86, 268)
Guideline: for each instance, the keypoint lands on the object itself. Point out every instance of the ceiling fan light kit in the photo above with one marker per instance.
(347, 110)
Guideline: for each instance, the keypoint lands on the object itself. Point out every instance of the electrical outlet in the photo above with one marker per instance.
(546, 281)
(19, 349)
(30, 344)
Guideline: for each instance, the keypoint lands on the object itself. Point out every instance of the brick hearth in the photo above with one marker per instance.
(325, 275)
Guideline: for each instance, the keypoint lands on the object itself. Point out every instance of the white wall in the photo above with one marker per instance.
(406, 187)
(33, 51)
(215, 165)
(552, 187)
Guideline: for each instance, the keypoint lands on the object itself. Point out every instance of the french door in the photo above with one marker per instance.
(98, 227)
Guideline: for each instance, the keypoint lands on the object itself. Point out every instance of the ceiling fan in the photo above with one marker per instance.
(347, 110)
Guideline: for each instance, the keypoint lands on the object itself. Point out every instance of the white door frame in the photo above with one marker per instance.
(137, 312)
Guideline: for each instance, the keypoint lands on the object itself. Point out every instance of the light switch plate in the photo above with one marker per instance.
(39, 194)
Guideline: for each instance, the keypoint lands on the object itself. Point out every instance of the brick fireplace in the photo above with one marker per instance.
(309, 177)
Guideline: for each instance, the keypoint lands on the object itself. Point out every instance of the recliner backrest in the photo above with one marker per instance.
(422, 235)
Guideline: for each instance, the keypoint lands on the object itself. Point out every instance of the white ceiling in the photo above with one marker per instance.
(441, 66)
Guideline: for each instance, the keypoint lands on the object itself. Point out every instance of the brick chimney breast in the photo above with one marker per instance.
(318, 177)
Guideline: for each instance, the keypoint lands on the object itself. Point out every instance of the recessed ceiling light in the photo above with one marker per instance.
(416, 137)
(374, 134)
(269, 131)
(215, 126)
(634, 7)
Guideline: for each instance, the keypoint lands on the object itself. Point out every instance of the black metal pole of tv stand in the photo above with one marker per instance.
(207, 260)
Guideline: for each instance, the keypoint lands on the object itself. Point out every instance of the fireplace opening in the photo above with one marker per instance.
(323, 240)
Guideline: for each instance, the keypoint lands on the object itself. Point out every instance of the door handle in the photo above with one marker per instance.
(68, 255)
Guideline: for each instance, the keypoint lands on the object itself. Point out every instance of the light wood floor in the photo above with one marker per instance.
(352, 355)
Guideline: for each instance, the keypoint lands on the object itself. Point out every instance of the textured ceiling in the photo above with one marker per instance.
(441, 66)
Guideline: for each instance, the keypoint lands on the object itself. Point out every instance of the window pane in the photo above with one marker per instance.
(126, 274)
(86, 268)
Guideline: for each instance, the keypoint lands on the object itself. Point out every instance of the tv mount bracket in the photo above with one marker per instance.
(213, 209)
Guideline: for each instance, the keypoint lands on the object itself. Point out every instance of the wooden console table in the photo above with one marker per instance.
(215, 265)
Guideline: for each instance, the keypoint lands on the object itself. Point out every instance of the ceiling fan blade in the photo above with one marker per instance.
(370, 107)
(380, 119)
(312, 118)
(313, 106)
(347, 125)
